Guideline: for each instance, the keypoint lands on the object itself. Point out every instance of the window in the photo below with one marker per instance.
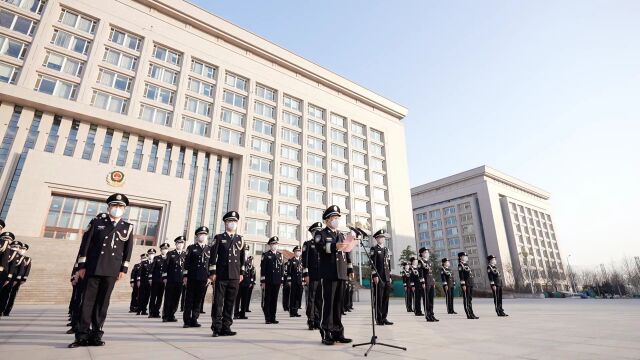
(359, 189)
(153, 157)
(357, 128)
(163, 74)
(315, 178)
(35, 6)
(314, 214)
(119, 59)
(234, 99)
(467, 229)
(232, 117)
(57, 87)
(72, 139)
(315, 127)
(229, 136)
(377, 150)
(203, 69)
(125, 39)
(377, 135)
(164, 54)
(338, 184)
(263, 127)
(290, 171)
(339, 151)
(52, 139)
(359, 173)
(449, 210)
(451, 220)
(122, 150)
(90, 143)
(380, 210)
(438, 244)
(17, 23)
(257, 205)
(201, 87)
(288, 210)
(339, 200)
(423, 226)
(315, 112)
(195, 126)
(338, 136)
(166, 164)
(291, 136)
(289, 190)
(259, 184)
(105, 154)
(464, 207)
(437, 234)
(71, 42)
(436, 224)
(256, 227)
(315, 160)
(292, 103)
(155, 115)
(138, 155)
(13, 48)
(315, 196)
(358, 158)
(236, 81)
(77, 21)
(159, 94)
(291, 119)
(115, 80)
(288, 231)
(315, 144)
(379, 194)
(197, 106)
(8, 73)
(64, 64)
(358, 143)
(290, 153)
(361, 206)
(434, 214)
(261, 145)
(377, 178)
(338, 167)
(376, 164)
(266, 92)
(260, 164)
(452, 231)
(337, 120)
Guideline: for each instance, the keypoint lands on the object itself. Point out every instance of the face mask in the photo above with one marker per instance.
(446, 264)
(116, 212)
(22, 251)
(201, 238)
(15, 248)
(380, 241)
(414, 263)
(232, 225)
(334, 224)
(465, 259)
(274, 248)
(150, 257)
(406, 267)
(246, 254)
(164, 252)
(179, 246)
(493, 262)
(298, 253)
(425, 255)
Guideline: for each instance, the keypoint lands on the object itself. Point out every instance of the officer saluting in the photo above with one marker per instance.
(271, 276)
(496, 284)
(194, 277)
(226, 271)
(448, 283)
(466, 284)
(103, 259)
(312, 278)
(172, 278)
(334, 268)
(381, 273)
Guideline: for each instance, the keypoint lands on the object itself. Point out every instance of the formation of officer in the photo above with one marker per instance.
(21, 271)
(271, 278)
(293, 274)
(15, 267)
(381, 275)
(172, 279)
(495, 281)
(311, 274)
(103, 259)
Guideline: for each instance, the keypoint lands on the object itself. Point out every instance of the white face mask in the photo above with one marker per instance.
(116, 212)
(447, 264)
(274, 248)
(232, 225)
(150, 257)
(333, 224)
(406, 267)
(425, 255)
(179, 246)
(414, 263)
(201, 238)
(380, 241)
(465, 259)
(22, 251)
(164, 252)
(493, 262)
(298, 253)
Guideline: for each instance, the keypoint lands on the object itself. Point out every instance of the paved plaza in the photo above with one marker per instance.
(536, 329)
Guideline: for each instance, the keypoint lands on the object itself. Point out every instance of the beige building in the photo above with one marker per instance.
(188, 115)
(485, 212)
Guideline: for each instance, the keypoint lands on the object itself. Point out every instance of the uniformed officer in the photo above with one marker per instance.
(145, 283)
(6, 255)
(312, 278)
(75, 304)
(381, 274)
(12, 270)
(426, 272)
(226, 271)
(246, 286)
(416, 285)
(495, 279)
(404, 275)
(466, 284)
(448, 283)
(271, 277)
(134, 280)
(24, 268)
(195, 276)
(334, 268)
(2, 225)
(104, 258)
(285, 292)
(293, 273)
(172, 279)
(158, 268)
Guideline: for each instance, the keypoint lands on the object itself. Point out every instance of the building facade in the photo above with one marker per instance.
(190, 116)
(485, 212)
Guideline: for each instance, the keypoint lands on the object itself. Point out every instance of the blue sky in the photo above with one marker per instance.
(546, 91)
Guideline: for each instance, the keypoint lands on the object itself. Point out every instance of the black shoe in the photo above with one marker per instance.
(343, 340)
(268, 322)
(96, 342)
(71, 331)
(235, 317)
(137, 312)
(387, 322)
(434, 318)
(215, 334)
(248, 311)
(227, 332)
(311, 326)
(419, 314)
(429, 319)
(242, 318)
(144, 313)
(186, 326)
(275, 322)
(172, 320)
(503, 314)
(453, 312)
(196, 324)
(474, 317)
(379, 323)
(328, 340)
(165, 320)
(202, 312)
(70, 324)
(78, 343)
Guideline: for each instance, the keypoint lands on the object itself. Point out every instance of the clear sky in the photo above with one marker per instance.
(546, 91)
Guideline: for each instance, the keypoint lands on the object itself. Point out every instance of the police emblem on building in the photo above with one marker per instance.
(115, 178)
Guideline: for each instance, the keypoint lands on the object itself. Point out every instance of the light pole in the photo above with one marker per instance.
(570, 275)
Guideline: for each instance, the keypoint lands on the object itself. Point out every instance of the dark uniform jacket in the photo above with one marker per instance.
(415, 279)
(426, 272)
(494, 275)
(10, 265)
(310, 260)
(446, 276)
(174, 266)
(271, 268)
(227, 257)
(465, 274)
(293, 271)
(249, 275)
(24, 269)
(143, 271)
(196, 262)
(135, 273)
(381, 267)
(106, 247)
(334, 264)
(157, 268)
(405, 278)
(5, 252)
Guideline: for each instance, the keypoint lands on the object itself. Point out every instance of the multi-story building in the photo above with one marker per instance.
(483, 211)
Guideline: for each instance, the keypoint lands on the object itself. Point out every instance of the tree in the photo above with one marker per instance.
(406, 254)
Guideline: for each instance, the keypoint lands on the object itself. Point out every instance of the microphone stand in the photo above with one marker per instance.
(374, 339)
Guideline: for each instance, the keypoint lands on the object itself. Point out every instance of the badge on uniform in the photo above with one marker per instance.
(223, 241)
(101, 227)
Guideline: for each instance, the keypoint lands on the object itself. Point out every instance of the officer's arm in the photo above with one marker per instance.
(133, 275)
(27, 271)
(492, 278)
(374, 272)
(443, 278)
(187, 258)
(84, 245)
(126, 256)
(262, 269)
(242, 258)
(305, 260)
(170, 260)
(288, 269)
(460, 274)
(213, 256)
(349, 264)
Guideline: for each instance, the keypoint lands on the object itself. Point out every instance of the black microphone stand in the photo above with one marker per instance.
(374, 339)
